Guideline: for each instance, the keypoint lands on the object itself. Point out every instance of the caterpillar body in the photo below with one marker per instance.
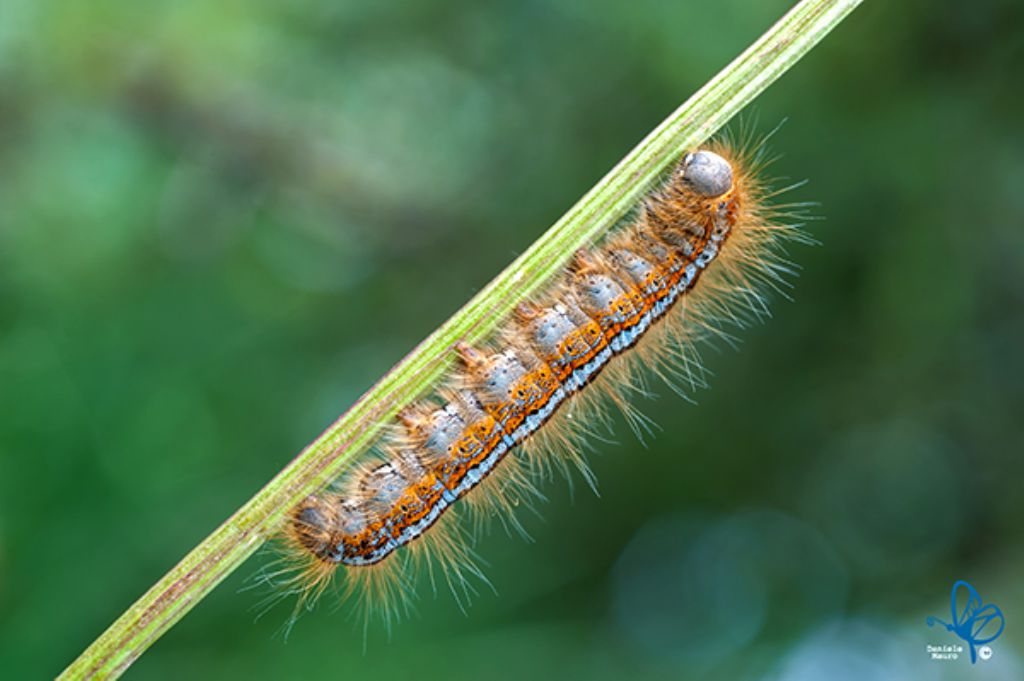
(697, 255)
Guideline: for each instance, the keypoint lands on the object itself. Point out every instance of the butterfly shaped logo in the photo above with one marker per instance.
(976, 624)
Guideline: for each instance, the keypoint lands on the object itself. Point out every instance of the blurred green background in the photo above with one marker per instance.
(221, 222)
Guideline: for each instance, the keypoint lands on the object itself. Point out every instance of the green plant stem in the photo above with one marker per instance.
(326, 457)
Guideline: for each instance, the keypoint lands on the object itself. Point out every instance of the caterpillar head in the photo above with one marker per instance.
(707, 173)
(313, 525)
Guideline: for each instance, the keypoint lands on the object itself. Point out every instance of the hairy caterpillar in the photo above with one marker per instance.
(695, 257)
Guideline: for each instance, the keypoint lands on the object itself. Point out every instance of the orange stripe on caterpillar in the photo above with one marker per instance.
(609, 300)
